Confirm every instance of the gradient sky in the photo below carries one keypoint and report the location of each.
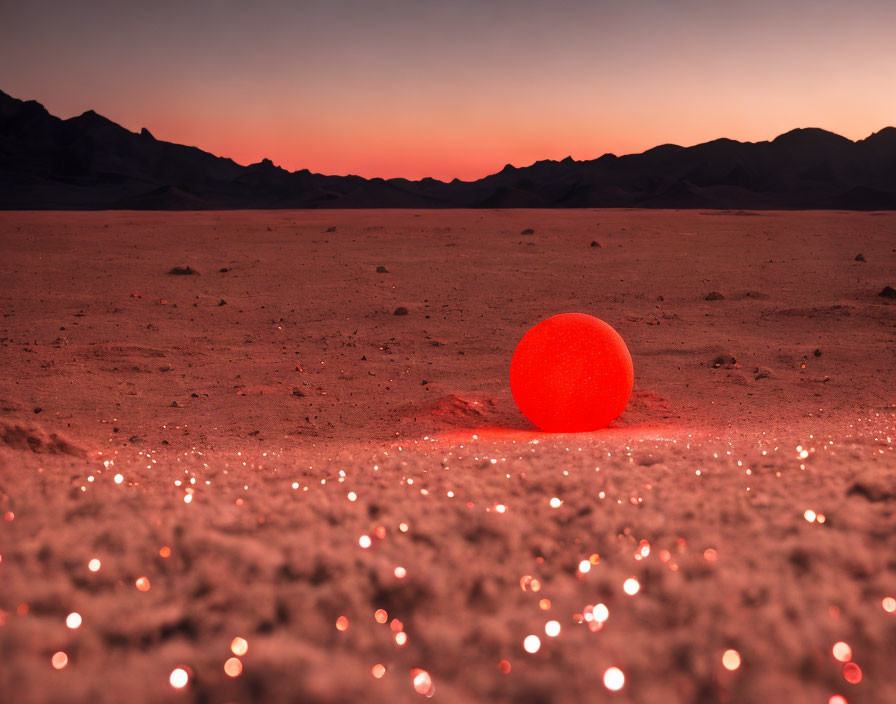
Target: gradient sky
(455, 88)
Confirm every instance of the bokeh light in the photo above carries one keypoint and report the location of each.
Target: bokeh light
(239, 646)
(852, 673)
(614, 679)
(178, 678)
(731, 660)
(842, 651)
(233, 667)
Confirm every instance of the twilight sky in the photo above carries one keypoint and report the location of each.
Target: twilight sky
(456, 88)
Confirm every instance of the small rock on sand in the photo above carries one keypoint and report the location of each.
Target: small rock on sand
(183, 271)
(861, 257)
(332, 228)
(528, 231)
(714, 296)
(595, 243)
(724, 360)
(888, 292)
(382, 270)
(401, 310)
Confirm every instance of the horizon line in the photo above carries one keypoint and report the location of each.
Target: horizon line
(506, 166)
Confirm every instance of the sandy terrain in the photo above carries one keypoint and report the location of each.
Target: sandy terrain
(232, 436)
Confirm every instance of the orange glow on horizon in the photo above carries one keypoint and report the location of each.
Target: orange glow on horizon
(421, 90)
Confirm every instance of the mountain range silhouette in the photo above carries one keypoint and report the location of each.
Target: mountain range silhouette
(89, 162)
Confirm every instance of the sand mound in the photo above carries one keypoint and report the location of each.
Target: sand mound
(468, 410)
(461, 410)
(35, 439)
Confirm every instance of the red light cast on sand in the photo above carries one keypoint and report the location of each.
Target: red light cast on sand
(571, 373)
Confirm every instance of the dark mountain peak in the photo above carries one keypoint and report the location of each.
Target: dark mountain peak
(10, 106)
(569, 161)
(508, 169)
(721, 142)
(811, 136)
(91, 122)
(7, 102)
(544, 162)
(886, 136)
(92, 116)
(146, 133)
(662, 149)
(265, 165)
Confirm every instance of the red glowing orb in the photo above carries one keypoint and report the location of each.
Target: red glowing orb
(571, 373)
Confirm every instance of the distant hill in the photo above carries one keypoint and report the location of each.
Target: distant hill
(89, 162)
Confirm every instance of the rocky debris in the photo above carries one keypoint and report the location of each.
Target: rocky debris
(382, 270)
(817, 352)
(714, 296)
(175, 404)
(724, 360)
(223, 269)
(888, 292)
(762, 373)
(298, 393)
(401, 310)
(860, 257)
(332, 228)
(528, 231)
(183, 271)
(222, 302)
(595, 243)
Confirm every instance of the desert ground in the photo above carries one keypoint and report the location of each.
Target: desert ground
(264, 450)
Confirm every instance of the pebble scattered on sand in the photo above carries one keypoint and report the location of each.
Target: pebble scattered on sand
(724, 360)
(401, 310)
(714, 296)
(183, 271)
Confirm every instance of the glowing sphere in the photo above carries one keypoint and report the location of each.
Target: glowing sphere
(571, 373)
